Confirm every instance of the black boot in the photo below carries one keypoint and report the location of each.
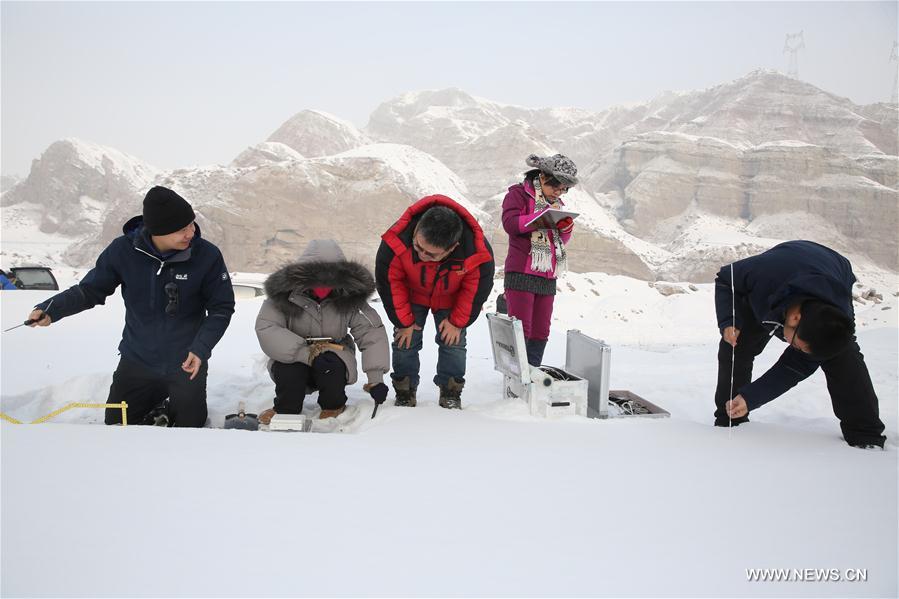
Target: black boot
(158, 416)
(405, 393)
(502, 307)
(535, 349)
(451, 394)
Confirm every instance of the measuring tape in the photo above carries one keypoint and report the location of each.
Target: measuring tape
(123, 406)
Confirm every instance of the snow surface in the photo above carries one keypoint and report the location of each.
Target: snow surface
(483, 501)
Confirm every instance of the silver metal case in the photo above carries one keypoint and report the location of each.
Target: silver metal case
(548, 394)
(590, 359)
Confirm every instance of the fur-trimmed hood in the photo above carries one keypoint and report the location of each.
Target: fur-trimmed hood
(322, 264)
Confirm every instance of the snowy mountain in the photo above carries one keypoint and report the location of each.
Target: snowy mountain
(265, 153)
(766, 106)
(315, 133)
(7, 181)
(263, 216)
(66, 200)
(671, 189)
(261, 210)
(476, 138)
(76, 182)
(762, 145)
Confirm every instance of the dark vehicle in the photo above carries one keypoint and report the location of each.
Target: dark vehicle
(34, 277)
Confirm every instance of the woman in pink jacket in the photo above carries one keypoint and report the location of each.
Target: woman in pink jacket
(536, 255)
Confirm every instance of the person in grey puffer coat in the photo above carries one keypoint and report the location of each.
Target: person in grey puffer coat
(321, 295)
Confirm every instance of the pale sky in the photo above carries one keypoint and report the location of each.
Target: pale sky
(183, 84)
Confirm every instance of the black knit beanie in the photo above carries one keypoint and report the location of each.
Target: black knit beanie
(166, 212)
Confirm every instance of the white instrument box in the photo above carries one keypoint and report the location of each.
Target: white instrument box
(549, 392)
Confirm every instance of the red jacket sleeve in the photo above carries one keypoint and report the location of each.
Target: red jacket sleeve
(473, 292)
(392, 287)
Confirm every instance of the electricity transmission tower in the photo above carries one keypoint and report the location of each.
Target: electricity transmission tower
(792, 45)
(894, 56)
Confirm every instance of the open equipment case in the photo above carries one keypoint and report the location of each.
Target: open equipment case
(581, 388)
(549, 393)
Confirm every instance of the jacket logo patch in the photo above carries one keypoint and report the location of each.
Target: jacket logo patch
(181, 277)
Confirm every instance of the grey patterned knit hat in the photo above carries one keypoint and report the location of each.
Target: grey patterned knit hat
(559, 166)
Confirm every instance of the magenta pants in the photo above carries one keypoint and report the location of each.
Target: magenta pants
(533, 310)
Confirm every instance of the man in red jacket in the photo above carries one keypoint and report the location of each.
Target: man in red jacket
(436, 259)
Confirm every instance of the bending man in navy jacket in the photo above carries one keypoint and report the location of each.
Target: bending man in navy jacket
(802, 293)
(178, 303)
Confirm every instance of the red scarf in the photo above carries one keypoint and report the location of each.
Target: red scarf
(321, 292)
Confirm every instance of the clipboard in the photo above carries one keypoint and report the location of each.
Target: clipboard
(549, 217)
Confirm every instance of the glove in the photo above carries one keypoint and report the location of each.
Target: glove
(378, 392)
(565, 224)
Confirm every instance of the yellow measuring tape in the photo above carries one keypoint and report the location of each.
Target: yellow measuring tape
(9, 418)
(123, 406)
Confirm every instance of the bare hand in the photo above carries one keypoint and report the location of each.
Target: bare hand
(730, 335)
(192, 364)
(320, 347)
(40, 318)
(449, 332)
(736, 408)
(403, 337)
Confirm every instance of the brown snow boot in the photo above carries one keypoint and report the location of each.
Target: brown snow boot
(405, 394)
(331, 413)
(266, 416)
(451, 394)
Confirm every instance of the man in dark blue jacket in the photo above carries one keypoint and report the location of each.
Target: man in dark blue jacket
(178, 303)
(801, 292)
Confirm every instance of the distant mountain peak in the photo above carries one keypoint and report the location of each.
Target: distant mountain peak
(448, 96)
(318, 133)
(103, 158)
(266, 152)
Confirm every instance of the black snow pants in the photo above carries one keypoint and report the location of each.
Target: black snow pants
(293, 381)
(852, 394)
(144, 390)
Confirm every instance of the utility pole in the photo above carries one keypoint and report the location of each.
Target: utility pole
(792, 45)
(894, 57)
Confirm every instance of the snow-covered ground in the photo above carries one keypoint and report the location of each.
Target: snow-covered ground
(424, 501)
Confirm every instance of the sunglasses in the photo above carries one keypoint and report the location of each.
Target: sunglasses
(171, 292)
